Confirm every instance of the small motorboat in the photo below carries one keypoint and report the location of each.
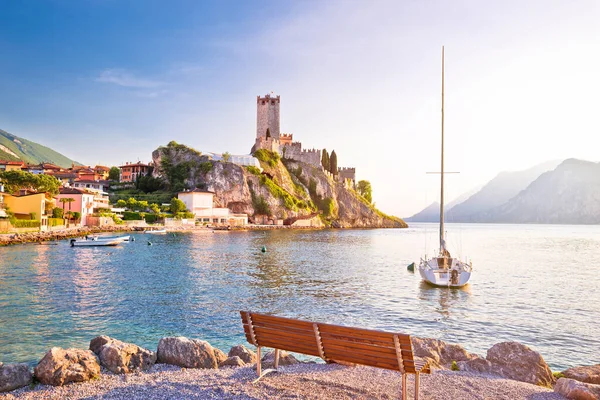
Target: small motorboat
(94, 242)
(122, 238)
(156, 231)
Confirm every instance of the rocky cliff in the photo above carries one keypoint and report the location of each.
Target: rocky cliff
(284, 189)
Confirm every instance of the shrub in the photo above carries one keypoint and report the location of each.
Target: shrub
(454, 366)
(25, 223)
(253, 170)
(151, 218)
(557, 375)
(57, 212)
(55, 221)
(205, 167)
(269, 157)
(131, 216)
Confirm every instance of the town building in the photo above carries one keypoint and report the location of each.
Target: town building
(201, 203)
(130, 171)
(83, 202)
(31, 206)
(11, 165)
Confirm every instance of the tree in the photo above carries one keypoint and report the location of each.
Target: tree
(325, 160)
(76, 216)
(177, 205)
(365, 190)
(155, 208)
(333, 168)
(121, 203)
(14, 181)
(131, 203)
(226, 156)
(114, 174)
(57, 212)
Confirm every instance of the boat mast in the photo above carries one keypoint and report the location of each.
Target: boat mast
(442, 241)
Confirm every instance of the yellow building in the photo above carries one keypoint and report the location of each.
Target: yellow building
(11, 165)
(25, 205)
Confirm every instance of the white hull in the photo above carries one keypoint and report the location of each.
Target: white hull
(445, 272)
(78, 243)
(126, 238)
(162, 231)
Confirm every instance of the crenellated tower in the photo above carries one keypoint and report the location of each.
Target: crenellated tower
(267, 123)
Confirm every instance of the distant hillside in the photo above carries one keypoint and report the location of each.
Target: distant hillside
(432, 212)
(498, 191)
(14, 148)
(570, 194)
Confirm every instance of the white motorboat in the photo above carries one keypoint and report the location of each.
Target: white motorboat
(157, 231)
(123, 238)
(94, 242)
(444, 270)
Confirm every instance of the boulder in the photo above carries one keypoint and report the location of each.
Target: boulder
(516, 361)
(477, 365)
(187, 353)
(60, 366)
(247, 355)
(234, 361)
(285, 358)
(14, 376)
(576, 390)
(220, 356)
(121, 358)
(587, 373)
(439, 353)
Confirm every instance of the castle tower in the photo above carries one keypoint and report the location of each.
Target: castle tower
(267, 117)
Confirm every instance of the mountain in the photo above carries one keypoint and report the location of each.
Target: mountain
(14, 148)
(570, 194)
(432, 212)
(498, 191)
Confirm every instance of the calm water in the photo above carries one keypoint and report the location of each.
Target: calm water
(534, 284)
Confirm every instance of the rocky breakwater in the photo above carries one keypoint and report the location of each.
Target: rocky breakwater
(580, 383)
(121, 358)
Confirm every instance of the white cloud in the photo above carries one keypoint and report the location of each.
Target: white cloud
(127, 79)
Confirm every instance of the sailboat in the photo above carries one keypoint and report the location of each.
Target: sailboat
(444, 270)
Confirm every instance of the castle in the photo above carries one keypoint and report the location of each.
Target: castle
(269, 137)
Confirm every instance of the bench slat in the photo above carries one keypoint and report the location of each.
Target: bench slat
(360, 348)
(268, 320)
(308, 339)
(362, 334)
(288, 346)
(362, 359)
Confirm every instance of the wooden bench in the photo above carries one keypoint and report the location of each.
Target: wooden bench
(334, 343)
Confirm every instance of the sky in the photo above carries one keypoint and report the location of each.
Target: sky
(107, 81)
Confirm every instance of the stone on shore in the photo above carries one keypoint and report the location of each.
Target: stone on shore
(122, 358)
(439, 353)
(234, 361)
(14, 376)
(285, 358)
(576, 390)
(60, 366)
(586, 373)
(245, 354)
(187, 353)
(512, 360)
(220, 355)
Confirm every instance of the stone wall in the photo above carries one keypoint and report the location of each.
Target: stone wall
(294, 152)
(347, 173)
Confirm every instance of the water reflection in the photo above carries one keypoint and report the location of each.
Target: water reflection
(445, 299)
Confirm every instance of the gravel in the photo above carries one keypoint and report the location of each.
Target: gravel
(300, 381)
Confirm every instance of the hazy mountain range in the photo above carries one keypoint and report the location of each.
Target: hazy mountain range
(14, 148)
(555, 192)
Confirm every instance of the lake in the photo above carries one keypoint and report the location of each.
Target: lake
(535, 284)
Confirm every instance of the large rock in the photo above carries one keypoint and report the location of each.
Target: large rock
(575, 390)
(285, 358)
(121, 358)
(60, 366)
(519, 362)
(234, 361)
(14, 376)
(220, 356)
(512, 360)
(587, 373)
(188, 353)
(245, 354)
(439, 353)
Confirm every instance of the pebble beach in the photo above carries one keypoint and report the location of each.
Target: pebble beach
(300, 381)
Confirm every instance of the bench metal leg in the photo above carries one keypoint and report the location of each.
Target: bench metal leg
(259, 370)
(417, 381)
(403, 386)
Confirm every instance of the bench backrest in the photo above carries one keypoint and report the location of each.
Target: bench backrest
(331, 342)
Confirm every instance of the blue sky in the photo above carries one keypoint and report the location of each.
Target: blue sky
(106, 82)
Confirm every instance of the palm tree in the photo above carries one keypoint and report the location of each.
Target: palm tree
(67, 200)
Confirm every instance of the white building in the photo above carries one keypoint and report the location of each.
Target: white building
(200, 202)
(245, 160)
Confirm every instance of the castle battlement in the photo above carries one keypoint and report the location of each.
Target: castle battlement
(347, 169)
(268, 98)
(286, 136)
